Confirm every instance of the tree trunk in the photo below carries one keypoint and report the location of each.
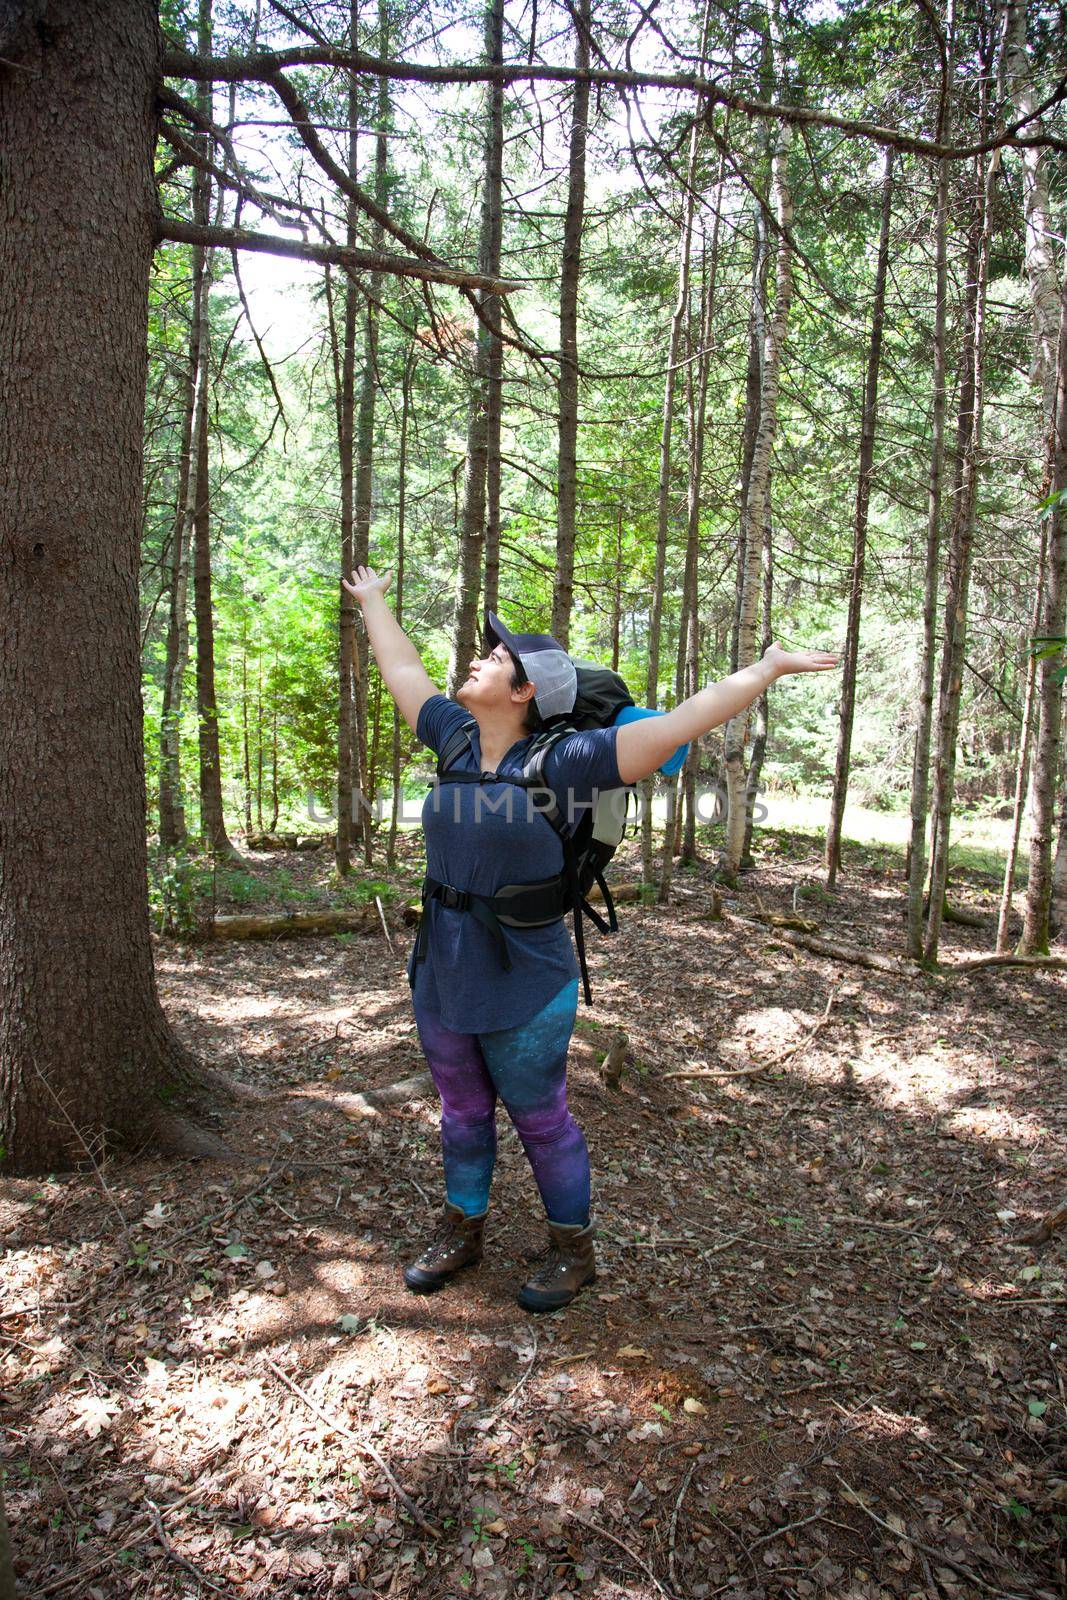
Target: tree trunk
(85, 1049)
(1047, 747)
(172, 828)
(246, 746)
(259, 744)
(859, 537)
(368, 392)
(351, 642)
(920, 771)
(698, 372)
(761, 711)
(398, 585)
(275, 797)
(756, 508)
(757, 335)
(1022, 775)
(212, 815)
(465, 630)
(567, 484)
(968, 447)
(1040, 227)
(1058, 908)
(663, 494)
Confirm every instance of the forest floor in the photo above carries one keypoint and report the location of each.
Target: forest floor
(813, 1362)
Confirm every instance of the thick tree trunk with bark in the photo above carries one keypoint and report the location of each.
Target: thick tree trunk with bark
(567, 487)
(465, 630)
(85, 1049)
(868, 425)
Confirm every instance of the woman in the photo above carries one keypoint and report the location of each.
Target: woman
(492, 1030)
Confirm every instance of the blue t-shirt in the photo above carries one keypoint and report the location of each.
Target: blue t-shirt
(481, 837)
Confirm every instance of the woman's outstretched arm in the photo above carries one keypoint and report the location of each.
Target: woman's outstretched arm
(398, 661)
(645, 745)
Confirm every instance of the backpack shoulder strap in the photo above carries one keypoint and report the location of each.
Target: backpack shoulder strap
(533, 769)
(455, 745)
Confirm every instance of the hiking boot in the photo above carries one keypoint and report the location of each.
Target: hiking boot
(458, 1244)
(570, 1266)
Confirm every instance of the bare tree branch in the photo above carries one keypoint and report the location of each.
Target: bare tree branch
(179, 231)
(264, 68)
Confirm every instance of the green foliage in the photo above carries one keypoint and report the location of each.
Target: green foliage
(178, 885)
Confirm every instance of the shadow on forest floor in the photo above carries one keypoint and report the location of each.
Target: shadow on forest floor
(812, 1362)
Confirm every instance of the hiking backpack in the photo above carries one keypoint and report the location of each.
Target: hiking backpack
(588, 844)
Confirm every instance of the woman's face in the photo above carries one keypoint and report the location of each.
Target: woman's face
(489, 684)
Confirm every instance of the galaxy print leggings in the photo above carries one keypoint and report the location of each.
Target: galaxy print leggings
(526, 1067)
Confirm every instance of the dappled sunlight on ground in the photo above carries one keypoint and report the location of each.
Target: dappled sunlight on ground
(812, 1360)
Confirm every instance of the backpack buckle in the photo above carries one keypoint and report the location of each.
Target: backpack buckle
(455, 899)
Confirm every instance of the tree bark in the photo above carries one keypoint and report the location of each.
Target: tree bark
(663, 492)
(761, 711)
(859, 538)
(1040, 227)
(698, 373)
(567, 486)
(1022, 774)
(398, 585)
(351, 643)
(465, 631)
(920, 771)
(368, 392)
(1058, 907)
(968, 446)
(1047, 745)
(172, 827)
(212, 816)
(85, 1049)
(757, 334)
(756, 508)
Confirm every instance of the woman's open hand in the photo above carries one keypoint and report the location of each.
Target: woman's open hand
(365, 582)
(785, 661)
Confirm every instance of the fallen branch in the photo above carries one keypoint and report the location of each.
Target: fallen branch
(935, 1555)
(897, 965)
(594, 1527)
(976, 963)
(293, 924)
(361, 1444)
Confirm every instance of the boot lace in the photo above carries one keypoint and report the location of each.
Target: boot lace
(553, 1267)
(441, 1246)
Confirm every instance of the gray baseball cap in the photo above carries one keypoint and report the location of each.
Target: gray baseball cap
(543, 661)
